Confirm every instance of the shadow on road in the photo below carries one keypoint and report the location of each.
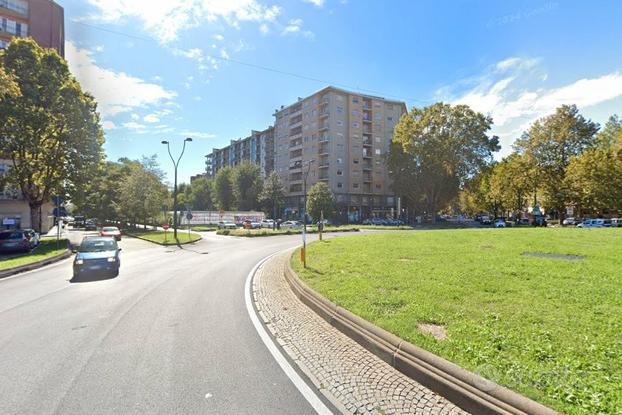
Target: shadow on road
(92, 278)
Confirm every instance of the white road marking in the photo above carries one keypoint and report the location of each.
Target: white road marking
(300, 384)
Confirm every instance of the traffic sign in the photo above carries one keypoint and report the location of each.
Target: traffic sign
(165, 226)
(58, 200)
(189, 216)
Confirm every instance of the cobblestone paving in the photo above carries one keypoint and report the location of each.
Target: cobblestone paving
(353, 379)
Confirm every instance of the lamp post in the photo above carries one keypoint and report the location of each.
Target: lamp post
(303, 253)
(175, 164)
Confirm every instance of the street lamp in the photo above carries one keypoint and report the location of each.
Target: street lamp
(176, 164)
(304, 215)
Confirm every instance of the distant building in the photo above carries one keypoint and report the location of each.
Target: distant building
(197, 176)
(342, 138)
(257, 148)
(43, 20)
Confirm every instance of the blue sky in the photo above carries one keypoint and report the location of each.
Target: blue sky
(166, 69)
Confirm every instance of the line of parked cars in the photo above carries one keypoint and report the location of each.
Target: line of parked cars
(18, 240)
(383, 222)
(266, 223)
(593, 223)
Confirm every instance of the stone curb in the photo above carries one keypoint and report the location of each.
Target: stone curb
(34, 265)
(468, 390)
(161, 244)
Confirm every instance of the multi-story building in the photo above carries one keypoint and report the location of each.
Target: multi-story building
(43, 20)
(257, 148)
(340, 138)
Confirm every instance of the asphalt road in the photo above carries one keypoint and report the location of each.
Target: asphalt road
(170, 335)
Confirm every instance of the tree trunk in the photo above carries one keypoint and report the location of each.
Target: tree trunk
(35, 215)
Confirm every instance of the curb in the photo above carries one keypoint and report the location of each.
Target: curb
(161, 244)
(467, 390)
(34, 265)
(247, 235)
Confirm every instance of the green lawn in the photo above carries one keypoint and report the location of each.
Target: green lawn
(548, 328)
(270, 232)
(46, 249)
(200, 228)
(161, 238)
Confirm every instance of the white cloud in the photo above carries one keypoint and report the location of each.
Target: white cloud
(219, 38)
(194, 54)
(516, 99)
(264, 29)
(318, 3)
(151, 118)
(134, 126)
(135, 117)
(165, 19)
(197, 134)
(115, 92)
(294, 27)
(108, 125)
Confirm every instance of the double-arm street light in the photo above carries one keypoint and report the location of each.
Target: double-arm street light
(176, 164)
(303, 253)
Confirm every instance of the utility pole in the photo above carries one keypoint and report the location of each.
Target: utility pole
(175, 164)
(303, 252)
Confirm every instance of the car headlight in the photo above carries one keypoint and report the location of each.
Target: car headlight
(79, 261)
(112, 259)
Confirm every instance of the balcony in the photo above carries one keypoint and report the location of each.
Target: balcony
(295, 131)
(323, 178)
(324, 113)
(295, 188)
(366, 154)
(295, 120)
(367, 166)
(367, 143)
(294, 144)
(323, 139)
(323, 100)
(295, 177)
(295, 154)
(323, 127)
(367, 177)
(323, 150)
(297, 165)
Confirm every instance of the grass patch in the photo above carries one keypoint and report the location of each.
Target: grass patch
(46, 249)
(548, 328)
(200, 228)
(159, 237)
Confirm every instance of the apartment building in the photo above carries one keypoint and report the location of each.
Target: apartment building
(43, 20)
(257, 148)
(340, 138)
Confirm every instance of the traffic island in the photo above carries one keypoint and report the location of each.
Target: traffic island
(251, 233)
(46, 253)
(165, 238)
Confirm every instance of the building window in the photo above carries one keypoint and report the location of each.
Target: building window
(378, 116)
(339, 110)
(355, 185)
(339, 161)
(355, 161)
(377, 151)
(356, 125)
(339, 123)
(378, 186)
(389, 118)
(339, 185)
(378, 139)
(356, 113)
(339, 172)
(355, 100)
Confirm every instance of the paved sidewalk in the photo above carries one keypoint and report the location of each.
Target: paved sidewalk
(353, 379)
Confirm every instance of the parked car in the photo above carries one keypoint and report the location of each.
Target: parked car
(522, 221)
(33, 237)
(249, 224)
(499, 223)
(227, 225)
(90, 225)
(485, 220)
(291, 224)
(569, 222)
(267, 223)
(95, 255)
(78, 221)
(111, 231)
(616, 222)
(592, 223)
(14, 241)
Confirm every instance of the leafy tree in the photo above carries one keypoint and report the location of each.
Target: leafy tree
(200, 195)
(51, 131)
(273, 193)
(8, 87)
(610, 134)
(512, 183)
(320, 199)
(550, 144)
(141, 195)
(247, 185)
(442, 147)
(223, 188)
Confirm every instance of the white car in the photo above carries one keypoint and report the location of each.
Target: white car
(499, 223)
(569, 221)
(267, 223)
(291, 224)
(227, 225)
(592, 223)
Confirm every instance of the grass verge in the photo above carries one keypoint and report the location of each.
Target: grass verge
(165, 238)
(548, 328)
(46, 249)
(250, 233)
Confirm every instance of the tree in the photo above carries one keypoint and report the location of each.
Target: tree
(223, 188)
(320, 199)
(141, 195)
(51, 131)
(247, 185)
(8, 87)
(273, 193)
(200, 194)
(550, 144)
(442, 146)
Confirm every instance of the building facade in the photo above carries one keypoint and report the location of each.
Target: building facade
(257, 148)
(43, 20)
(340, 138)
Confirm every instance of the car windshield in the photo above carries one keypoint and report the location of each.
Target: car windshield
(98, 245)
(10, 235)
(110, 229)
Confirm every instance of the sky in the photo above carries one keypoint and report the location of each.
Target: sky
(214, 70)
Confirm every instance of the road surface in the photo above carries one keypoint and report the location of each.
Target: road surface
(170, 335)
